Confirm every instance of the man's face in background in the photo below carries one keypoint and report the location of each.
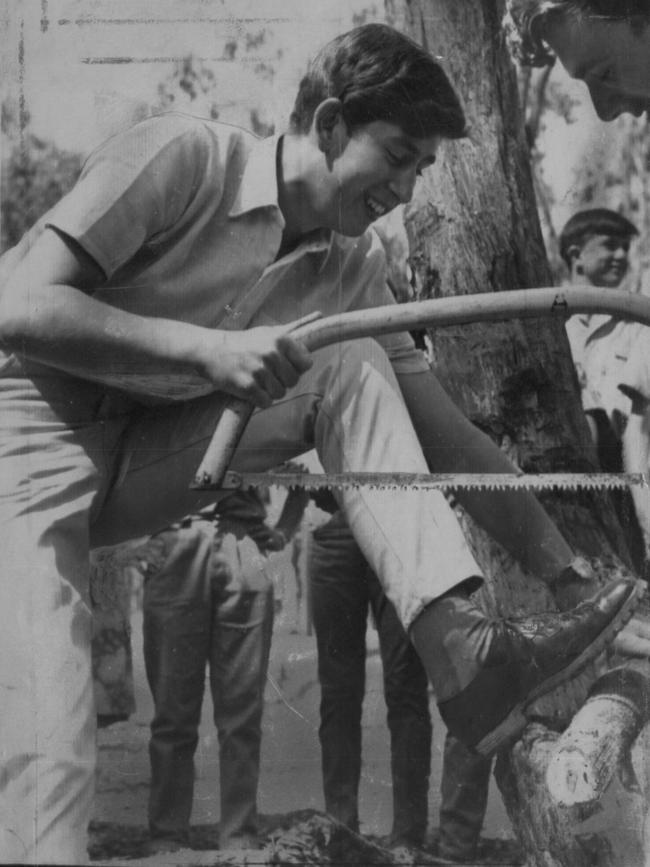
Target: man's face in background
(611, 57)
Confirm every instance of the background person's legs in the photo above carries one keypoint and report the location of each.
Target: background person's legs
(339, 591)
(409, 721)
(177, 624)
(464, 795)
(239, 660)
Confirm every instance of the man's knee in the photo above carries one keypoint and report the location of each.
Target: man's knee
(356, 358)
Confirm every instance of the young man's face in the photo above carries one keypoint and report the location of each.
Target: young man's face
(609, 56)
(603, 260)
(373, 169)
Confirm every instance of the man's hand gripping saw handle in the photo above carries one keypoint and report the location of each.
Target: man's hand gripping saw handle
(316, 332)
(231, 426)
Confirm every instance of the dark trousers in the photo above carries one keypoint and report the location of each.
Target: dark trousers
(343, 590)
(464, 794)
(207, 600)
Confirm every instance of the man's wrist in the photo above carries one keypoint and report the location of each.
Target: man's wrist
(204, 349)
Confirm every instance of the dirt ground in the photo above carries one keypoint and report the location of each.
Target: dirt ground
(290, 787)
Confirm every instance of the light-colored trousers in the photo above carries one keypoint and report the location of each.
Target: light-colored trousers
(208, 602)
(81, 466)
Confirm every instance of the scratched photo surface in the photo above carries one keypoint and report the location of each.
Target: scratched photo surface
(487, 217)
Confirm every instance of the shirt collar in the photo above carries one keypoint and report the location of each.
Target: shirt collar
(259, 184)
(259, 189)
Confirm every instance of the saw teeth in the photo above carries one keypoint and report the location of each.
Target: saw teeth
(446, 481)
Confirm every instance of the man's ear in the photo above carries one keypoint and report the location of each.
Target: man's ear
(574, 253)
(330, 127)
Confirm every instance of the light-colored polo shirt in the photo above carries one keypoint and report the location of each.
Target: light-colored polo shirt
(182, 216)
(600, 347)
(634, 378)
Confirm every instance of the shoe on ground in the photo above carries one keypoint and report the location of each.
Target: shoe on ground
(410, 841)
(166, 845)
(531, 656)
(488, 851)
(404, 848)
(243, 840)
(473, 849)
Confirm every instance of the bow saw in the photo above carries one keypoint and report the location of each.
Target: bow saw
(316, 332)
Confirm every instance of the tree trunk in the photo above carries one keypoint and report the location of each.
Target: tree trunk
(473, 227)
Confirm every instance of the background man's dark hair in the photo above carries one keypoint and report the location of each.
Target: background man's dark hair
(595, 221)
(380, 74)
(527, 18)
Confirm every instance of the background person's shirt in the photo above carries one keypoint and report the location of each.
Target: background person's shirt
(182, 216)
(600, 348)
(634, 376)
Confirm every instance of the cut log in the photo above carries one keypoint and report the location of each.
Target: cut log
(598, 741)
(592, 748)
(545, 831)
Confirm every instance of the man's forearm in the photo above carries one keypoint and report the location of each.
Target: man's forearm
(68, 329)
(451, 443)
(48, 313)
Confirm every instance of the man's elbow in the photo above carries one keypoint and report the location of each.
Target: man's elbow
(17, 311)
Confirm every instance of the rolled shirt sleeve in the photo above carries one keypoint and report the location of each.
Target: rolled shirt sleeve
(132, 189)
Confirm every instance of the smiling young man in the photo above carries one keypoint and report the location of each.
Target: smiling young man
(165, 279)
(605, 43)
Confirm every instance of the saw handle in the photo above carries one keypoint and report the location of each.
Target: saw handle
(225, 439)
(316, 332)
(230, 427)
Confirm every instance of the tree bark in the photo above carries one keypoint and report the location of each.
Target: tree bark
(473, 227)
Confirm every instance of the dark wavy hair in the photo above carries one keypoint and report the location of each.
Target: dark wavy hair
(525, 21)
(594, 221)
(380, 74)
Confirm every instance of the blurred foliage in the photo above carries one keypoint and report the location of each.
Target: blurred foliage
(540, 96)
(195, 80)
(195, 86)
(368, 13)
(35, 174)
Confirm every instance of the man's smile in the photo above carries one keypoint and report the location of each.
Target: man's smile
(377, 209)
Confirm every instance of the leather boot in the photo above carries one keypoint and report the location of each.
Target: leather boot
(531, 656)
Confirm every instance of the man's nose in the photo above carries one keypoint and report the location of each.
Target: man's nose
(402, 184)
(608, 103)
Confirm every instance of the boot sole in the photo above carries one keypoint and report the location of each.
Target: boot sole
(516, 721)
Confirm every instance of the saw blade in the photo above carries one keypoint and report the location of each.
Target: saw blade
(434, 481)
